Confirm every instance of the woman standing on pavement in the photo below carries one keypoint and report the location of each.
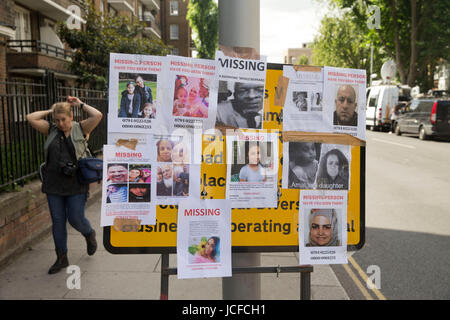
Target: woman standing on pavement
(66, 141)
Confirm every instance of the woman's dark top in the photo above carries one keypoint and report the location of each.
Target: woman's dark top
(55, 181)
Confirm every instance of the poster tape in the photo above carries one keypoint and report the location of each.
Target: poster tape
(281, 91)
(329, 138)
(240, 52)
(127, 225)
(129, 143)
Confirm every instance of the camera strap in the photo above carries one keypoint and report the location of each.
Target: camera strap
(68, 147)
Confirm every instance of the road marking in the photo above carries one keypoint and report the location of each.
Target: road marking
(364, 276)
(395, 143)
(355, 279)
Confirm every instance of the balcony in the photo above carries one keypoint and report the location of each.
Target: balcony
(50, 8)
(151, 26)
(121, 5)
(34, 57)
(151, 4)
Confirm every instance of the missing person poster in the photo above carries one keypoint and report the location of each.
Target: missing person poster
(241, 91)
(345, 100)
(252, 170)
(303, 108)
(323, 237)
(190, 98)
(177, 165)
(204, 238)
(126, 190)
(315, 165)
(134, 92)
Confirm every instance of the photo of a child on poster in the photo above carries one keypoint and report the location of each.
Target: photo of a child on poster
(252, 170)
(204, 238)
(191, 97)
(190, 94)
(133, 92)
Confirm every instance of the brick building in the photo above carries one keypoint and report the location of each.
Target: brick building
(29, 45)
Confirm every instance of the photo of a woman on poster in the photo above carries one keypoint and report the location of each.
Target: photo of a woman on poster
(130, 103)
(323, 228)
(207, 251)
(333, 171)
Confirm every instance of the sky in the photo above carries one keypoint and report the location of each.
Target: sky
(287, 24)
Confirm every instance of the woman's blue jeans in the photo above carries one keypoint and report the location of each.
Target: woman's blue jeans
(63, 208)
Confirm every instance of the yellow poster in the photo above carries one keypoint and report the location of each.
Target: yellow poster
(264, 229)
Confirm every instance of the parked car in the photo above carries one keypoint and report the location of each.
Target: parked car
(380, 100)
(428, 118)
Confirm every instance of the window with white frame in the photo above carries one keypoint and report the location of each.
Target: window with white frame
(23, 25)
(174, 31)
(174, 7)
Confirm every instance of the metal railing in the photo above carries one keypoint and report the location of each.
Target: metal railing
(39, 46)
(22, 147)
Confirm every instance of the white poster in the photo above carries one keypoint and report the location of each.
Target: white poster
(126, 192)
(303, 108)
(344, 94)
(323, 237)
(252, 170)
(204, 238)
(241, 91)
(134, 92)
(315, 165)
(176, 160)
(190, 94)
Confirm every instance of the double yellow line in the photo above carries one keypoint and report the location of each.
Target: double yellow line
(362, 286)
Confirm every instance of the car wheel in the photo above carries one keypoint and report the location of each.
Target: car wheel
(422, 134)
(397, 130)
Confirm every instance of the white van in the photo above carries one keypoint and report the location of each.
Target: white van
(380, 101)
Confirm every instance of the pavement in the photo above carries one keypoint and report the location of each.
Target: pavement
(138, 276)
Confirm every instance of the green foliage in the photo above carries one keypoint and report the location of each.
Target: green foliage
(302, 60)
(203, 17)
(414, 33)
(100, 36)
(342, 43)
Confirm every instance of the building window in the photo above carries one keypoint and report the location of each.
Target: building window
(174, 32)
(175, 51)
(22, 23)
(174, 7)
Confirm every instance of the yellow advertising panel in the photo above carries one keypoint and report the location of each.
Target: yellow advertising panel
(253, 230)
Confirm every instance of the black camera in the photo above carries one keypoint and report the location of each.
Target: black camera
(69, 168)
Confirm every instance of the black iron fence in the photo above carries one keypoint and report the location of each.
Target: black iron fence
(22, 147)
(39, 46)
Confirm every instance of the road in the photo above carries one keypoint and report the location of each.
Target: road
(407, 220)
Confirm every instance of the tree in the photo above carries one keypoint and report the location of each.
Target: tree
(203, 17)
(341, 43)
(100, 36)
(414, 33)
(302, 60)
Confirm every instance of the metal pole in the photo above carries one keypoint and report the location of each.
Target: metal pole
(371, 64)
(164, 277)
(239, 27)
(305, 285)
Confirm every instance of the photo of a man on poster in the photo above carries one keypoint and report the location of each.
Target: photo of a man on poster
(245, 109)
(345, 106)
